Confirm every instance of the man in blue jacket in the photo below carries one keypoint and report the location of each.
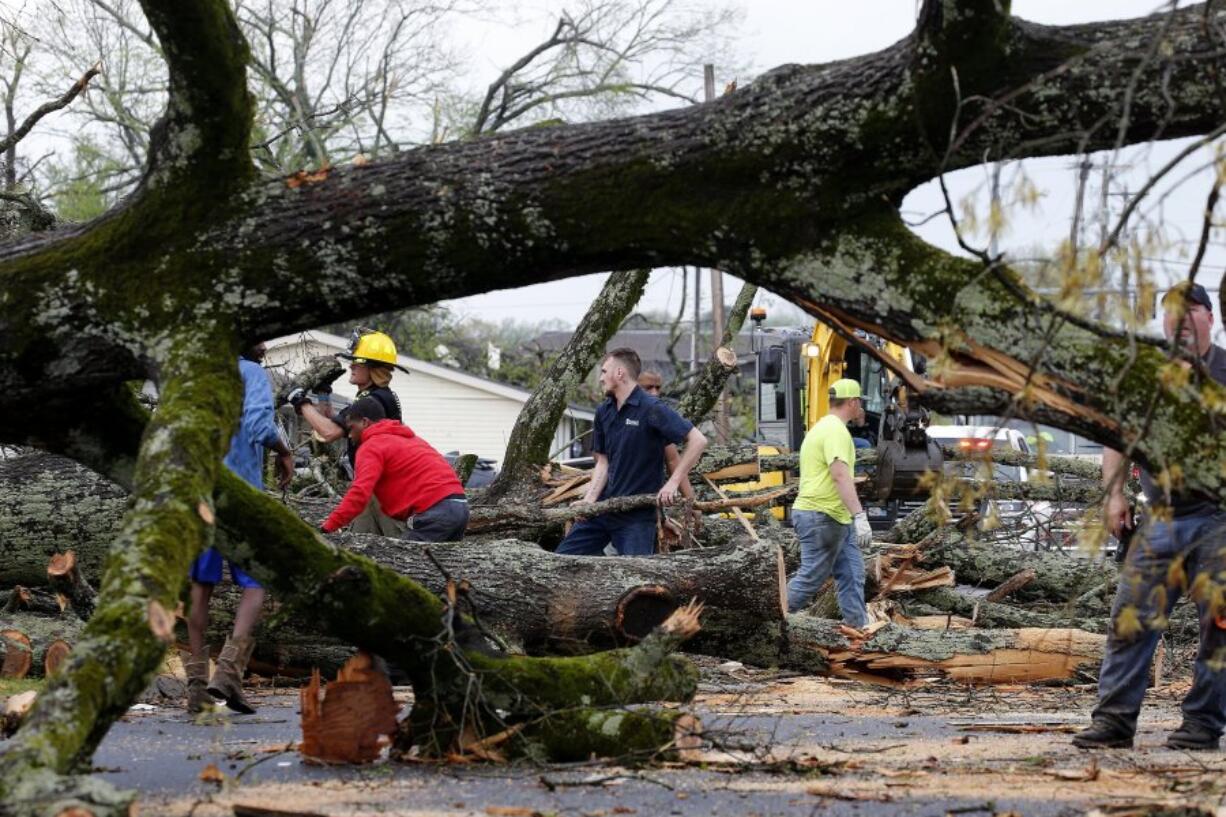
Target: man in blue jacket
(255, 434)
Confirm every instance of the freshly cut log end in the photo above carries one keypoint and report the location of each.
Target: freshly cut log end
(642, 609)
(353, 719)
(18, 654)
(64, 575)
(57, 652)
(726, 356)
(14, 711)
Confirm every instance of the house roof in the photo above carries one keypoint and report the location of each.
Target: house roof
(434, 370)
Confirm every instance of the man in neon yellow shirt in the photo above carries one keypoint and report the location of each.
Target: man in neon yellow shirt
(827, 512)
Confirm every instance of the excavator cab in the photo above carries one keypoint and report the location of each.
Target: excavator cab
(795, 370)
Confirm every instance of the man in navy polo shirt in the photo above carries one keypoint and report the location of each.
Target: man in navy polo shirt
(631, 432)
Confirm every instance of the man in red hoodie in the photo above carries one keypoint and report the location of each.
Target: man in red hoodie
(410, 479)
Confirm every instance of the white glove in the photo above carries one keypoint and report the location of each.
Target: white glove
(864, 532)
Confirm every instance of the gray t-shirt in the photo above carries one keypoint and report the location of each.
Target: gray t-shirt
(1187, 503)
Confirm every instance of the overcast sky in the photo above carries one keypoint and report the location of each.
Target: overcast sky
(782, 31)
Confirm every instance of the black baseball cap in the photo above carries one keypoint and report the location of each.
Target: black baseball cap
(1192, 294)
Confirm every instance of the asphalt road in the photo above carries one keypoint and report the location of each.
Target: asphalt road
(162, 753)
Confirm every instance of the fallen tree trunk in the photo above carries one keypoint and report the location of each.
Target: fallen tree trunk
(50, 504)
(547, 602)
(1057, 576)
(894, 654)
(34, 600)
(517, 517)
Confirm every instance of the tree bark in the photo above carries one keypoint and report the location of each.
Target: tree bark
(531, 439)
(50, 504)
(987, 614)
(546, 602)
(895, 654)
(1058, 577)
(64, 576)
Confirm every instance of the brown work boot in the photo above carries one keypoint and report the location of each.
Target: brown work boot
(227, 682)
(196, 666)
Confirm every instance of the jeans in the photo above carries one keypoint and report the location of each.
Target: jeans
(821, 539)
(589, 536)
(848, 574)
(1150, 584)
(444, 521)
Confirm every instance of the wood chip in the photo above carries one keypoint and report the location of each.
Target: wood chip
(211, 774)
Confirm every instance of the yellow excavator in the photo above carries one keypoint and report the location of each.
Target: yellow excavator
(795, 370)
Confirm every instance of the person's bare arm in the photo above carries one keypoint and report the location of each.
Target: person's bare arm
(672, 458)
(327, 429)
(845, 485)
(600, 476)
(695, 444)
(1116, 514)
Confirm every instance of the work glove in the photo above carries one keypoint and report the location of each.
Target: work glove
(864, 532)
(296, 398)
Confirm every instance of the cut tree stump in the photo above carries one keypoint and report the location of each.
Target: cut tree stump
(64, 576)
(353, 719)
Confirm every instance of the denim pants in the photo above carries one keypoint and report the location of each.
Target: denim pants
(821, 541)
(849, 581)
(1150, 584)
(444, 521)
(588, 537)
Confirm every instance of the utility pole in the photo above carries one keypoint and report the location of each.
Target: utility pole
(694, 347)
(722, 431)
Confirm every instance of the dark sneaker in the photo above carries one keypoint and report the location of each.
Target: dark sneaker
(1103, 735)
(1192, 736)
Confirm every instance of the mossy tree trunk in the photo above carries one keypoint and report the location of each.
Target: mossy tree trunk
(792, 182)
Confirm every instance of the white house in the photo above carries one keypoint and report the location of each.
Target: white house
(450, 409)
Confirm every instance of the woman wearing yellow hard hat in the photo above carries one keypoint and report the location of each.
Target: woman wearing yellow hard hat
(372, 357)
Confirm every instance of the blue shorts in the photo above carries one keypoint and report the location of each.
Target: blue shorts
(589, 536)
(207, 570)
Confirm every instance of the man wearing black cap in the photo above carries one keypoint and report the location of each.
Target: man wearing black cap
(1184, 543)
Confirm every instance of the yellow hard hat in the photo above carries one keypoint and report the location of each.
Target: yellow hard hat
(367, 346)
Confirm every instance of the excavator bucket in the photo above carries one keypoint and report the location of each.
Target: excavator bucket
(900, 467)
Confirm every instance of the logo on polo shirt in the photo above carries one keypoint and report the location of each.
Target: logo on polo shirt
(630, 422)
